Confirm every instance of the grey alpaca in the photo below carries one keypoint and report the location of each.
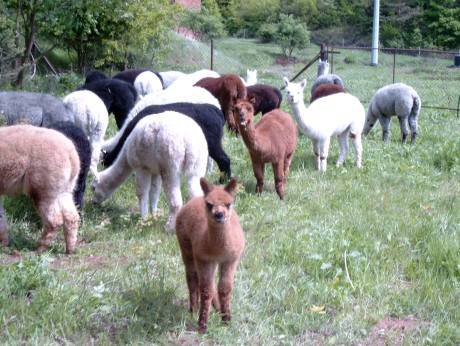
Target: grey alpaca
(324, 77)
(394, 99)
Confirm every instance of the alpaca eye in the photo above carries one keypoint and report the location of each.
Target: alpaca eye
(209, 206)
(229, 205)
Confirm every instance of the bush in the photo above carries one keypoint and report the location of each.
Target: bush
(349, 59)
(291, 34)
(204, 23)
(267, 32)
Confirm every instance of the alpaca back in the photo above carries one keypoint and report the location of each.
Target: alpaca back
(267, 98)
(279, 131)
(325, 90)
(395, 99)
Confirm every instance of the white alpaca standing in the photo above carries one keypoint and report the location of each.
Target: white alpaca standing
(147, 83)
(90, 114)
(160, 149)
(324, 77)
(170, 76)
(251, 77)
(340, 115)
(394, 99)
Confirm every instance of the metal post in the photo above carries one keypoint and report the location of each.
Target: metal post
(212, 54)
(375, 34)
(394, 64)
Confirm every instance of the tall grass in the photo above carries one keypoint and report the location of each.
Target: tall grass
(345, 250)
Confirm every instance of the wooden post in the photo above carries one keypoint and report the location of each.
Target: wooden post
(394, 64)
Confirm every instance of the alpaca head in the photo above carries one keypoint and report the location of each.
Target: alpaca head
(323, 68)
(219, 200)
(244, 111)
(294, 91)
(101, 192)
(251, 77)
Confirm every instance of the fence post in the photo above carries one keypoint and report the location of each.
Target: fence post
(394, 64)
(332, 59)
(458, 106)
(212, 54)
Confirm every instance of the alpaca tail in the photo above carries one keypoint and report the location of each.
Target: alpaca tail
(417, 105)
(280, 97)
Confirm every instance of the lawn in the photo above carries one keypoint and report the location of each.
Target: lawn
(367, 257)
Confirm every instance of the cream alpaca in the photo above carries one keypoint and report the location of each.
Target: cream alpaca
(340, 115)
(43, 164)
(160, 149)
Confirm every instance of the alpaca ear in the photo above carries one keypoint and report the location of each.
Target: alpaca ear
(206, 186)
(303, 83)
(286, 81)
(252, 100)
(231, 186)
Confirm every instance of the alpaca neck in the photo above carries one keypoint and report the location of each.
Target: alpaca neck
(218, 233)
(115, 175)
(302, 117)
(248, 133)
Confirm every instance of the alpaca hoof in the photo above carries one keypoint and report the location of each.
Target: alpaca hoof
(226, 318)
(202, 328)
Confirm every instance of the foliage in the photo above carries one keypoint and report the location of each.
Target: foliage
(8, 48)
(291, 34)
(443, 23)
(205, 23)
(267, 32)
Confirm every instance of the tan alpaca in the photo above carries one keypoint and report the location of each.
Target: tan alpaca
(273, 139)
(210, 237)
(43, 164)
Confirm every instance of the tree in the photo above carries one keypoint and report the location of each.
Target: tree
(291, 34)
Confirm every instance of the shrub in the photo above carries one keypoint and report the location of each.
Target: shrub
(267, 32)
(204, 23)
(291, 34)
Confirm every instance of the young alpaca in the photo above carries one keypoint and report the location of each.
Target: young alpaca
(273, 139)
(43, 164)
(340, 115)
(160, 149)
(210, 236)
(394, 99)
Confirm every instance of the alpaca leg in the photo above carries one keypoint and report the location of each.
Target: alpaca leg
(316, 151)
(385, 122)
(324, 151)
(3, 225)
(404, 125)
(143, 183)
(357, 144)
(259, 172)
(155, 190)
(210, 165)
(192, 277)
(71, 221)
(95, 156)
(287, 165)
(194, 187)
(413, 128)
(278, 170)
(223, 161)
(51, 216)
(227, 274)
(206, 272)
(171, 184)
(343, 143)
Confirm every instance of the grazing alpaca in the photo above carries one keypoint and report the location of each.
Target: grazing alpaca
(32, 108)
(227, 89)
(326, 90)
(144, 81)
(83, 146)
(266, 98)
(210, 237)
(192, 78)
(95, 75)
(91, 116)
(273, 139)
(395, 99)
(340, 115)
(160, 150)
(324, 77)
(170, 76)
(43, 164)
(209, 118)
(118, 96)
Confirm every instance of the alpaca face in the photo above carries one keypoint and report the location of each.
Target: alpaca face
(219, 201)
(244, 112)
(99, 191)
(294, 91)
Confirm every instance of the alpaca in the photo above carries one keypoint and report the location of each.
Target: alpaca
(95, 75)
(209, 118)
(118, 96)
(192, 78)
(170, 76)
(325, 90)
(251, 77)
(160, 149)
(340, 115)
(32, 108)
(273, 139)
(210, 237)
(227, 89)
(148, 83)
(83, 146)
(266, 98)
(324, 77)
(91, 116)
(394, 99)
(43, 164)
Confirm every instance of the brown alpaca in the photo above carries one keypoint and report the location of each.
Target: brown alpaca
(210, 236)
(273, 139)
(43, 164)
(325, 90)
(227, 89)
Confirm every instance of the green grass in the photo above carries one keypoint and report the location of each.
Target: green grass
(346, 250)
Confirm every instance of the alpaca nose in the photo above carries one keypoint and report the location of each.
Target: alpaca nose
(219, 216)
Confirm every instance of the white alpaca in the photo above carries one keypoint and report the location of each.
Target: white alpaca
(324, 77)
(176, 93)
(43, 164)
(192, 78)
(251, 77)
(170, 76)
(160, 149)
(147, 83)
(395, 99)
(340, 115)
(90, 114)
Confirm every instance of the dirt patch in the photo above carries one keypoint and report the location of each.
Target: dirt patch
(391, 331)
(284, 61)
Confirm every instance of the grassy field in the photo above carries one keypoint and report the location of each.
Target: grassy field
(355, 257)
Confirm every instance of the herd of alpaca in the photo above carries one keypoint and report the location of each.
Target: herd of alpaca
(171, 125)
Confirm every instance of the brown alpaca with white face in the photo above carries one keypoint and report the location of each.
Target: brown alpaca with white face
(272, 140)
(210, 237)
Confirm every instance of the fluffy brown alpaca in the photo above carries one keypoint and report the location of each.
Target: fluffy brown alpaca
(210, 237)
(325, 90)
(227, 89)
(43, 164)
(273, 139)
